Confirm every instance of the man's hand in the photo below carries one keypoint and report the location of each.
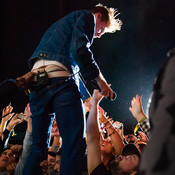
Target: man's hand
(106, 91)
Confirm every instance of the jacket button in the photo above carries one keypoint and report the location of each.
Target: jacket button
(41, 54)
(45, 55)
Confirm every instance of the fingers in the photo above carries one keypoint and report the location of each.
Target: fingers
(10, 168)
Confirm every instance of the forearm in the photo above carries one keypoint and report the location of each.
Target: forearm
(92, 123)
(93, 139)
(3, 125)
(140, 116)
(115, 138)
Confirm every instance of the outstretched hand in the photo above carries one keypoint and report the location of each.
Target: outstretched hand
(97, 96)
(136, 108)
(6, 113)
(14, 121)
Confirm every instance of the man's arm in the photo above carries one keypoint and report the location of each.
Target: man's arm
(93, 134)
(104, 87)
(82, 39)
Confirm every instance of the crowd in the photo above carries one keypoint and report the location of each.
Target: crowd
(113, 143)
(108, 149)
(56, 139)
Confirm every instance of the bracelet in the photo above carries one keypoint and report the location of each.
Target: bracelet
(138, 124)
(111, 133)
(10, 127)
(1, 126)
(142, 119)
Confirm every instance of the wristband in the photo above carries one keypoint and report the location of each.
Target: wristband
(138, 124)
(142, 119)
(10, 127)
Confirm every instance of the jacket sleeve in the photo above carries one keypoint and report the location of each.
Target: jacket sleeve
(83, 33)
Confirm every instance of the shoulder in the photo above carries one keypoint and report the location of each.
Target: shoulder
(100, 170)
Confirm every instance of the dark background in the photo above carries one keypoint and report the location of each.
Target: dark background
(129, 59)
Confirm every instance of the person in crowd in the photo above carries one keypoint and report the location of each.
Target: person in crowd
(63, 53)
(58, 162)
(127, 162)
(8, 160)
(137, 112)
(8, 130)
(27, 142)
(56, 140)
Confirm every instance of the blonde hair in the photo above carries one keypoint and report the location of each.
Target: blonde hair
(113, 23)
(109, 15)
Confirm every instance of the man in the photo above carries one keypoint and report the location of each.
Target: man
(126, 163)
(62, 54)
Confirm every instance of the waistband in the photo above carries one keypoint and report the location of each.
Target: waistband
(53, 71)
(53, 82)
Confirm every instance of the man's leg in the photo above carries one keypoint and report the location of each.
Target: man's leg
(70, 121)
(40, 108)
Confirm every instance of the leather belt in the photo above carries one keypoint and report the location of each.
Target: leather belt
(53, 71)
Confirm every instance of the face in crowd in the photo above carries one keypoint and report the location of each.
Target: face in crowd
(125, 163)
(6, 158)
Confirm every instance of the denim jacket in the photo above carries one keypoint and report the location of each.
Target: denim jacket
(68, 41)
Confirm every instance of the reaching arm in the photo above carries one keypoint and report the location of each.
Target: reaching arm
(93, 134)
(112, 132)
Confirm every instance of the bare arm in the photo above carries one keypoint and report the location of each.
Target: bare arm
(113, 133)
(93, 134)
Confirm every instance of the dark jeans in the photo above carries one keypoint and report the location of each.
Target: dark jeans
(63, 100)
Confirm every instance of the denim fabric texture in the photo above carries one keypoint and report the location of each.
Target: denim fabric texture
(65, 104)
(68, 41)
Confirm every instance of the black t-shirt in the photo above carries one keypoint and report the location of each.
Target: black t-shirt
(100, 170)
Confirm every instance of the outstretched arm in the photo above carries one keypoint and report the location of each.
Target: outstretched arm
(112, 133)
(93, 134)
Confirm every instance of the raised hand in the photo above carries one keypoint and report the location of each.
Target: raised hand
(14, 121)
(136, 108)
(120, 128)
(6, 113)
(11, 168)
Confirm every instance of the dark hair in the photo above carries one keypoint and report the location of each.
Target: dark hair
(115, 169)
(51, 153)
